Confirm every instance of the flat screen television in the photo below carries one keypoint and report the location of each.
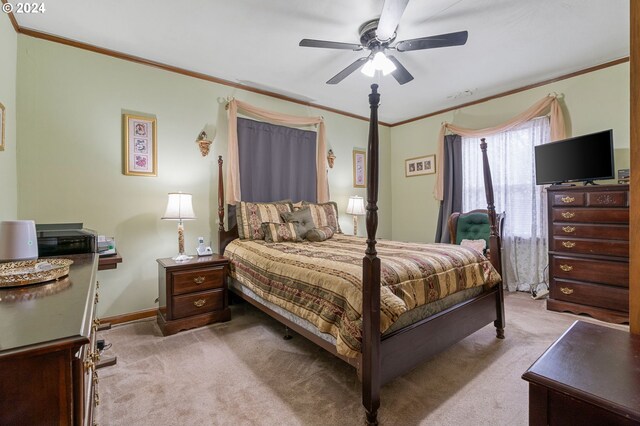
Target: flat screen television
(582, 158)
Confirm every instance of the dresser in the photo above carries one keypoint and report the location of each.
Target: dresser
(48, 349)
(192, 293)
(589, 251)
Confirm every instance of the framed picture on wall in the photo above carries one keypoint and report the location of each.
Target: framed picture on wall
(425, 165)
(359, 168)
(2, 114)
(140, 147)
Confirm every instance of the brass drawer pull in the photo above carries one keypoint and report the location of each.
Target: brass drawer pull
(566, 290)
(97, 299)
(97, 284)
(568, 199)
(96, 399)
(568, 244)
(95, 356)
(96, 324)
(568, 215)
(199, 303)
(95, 378)
(198, 280)
(88, 364)
(566, 268)
(568, 229)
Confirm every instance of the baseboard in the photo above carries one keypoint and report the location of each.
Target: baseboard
(133, 316)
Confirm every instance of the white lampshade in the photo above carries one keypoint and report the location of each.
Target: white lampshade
(356, 205)
(18, 240)
(179, 207)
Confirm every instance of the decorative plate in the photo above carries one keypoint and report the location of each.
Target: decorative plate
(33, 271)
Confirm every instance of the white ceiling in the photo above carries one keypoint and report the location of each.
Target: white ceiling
(512, 43)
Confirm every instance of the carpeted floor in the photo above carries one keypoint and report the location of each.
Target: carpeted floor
(243, 373)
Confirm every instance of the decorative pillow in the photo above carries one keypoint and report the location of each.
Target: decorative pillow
(477, 245)
(325, 214)
(320, 234)
(301, 219)
(297, 206)
(279, 232)
(251, 215)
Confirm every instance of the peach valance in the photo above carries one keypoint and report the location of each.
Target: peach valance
(548, 103)
(233, 161)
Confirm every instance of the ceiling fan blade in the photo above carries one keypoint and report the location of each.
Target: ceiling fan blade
(348, 70)
(392, 11)
(329, 44)
(401, 74)
(442, 40)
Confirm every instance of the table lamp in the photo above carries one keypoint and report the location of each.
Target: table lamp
(355, 207)
(179, 207)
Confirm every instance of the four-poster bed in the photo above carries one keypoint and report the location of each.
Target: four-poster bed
(386, 355)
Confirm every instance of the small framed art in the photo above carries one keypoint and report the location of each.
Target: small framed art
(425, 165)
(359, 168)
(2, 114)
(140, 147)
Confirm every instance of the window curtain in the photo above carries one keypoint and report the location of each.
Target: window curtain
(548, 103)
(275, 162)
(452, 201)
(511, 156)
(233, 192)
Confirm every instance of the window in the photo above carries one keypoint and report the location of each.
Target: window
(511, 157)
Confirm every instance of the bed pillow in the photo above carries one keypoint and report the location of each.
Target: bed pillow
(251, 215)
(477, 245)
(302, 219)
(277, 232)
(325, 214)
(320, 234)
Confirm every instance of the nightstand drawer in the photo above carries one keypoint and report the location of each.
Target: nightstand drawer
(198, 303)
(197, 280)
(601, 296)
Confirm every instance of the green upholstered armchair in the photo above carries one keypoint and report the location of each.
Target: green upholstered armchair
(473, 225)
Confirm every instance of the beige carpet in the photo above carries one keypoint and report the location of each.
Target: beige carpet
(243, 373)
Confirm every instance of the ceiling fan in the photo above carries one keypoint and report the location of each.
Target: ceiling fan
(376, 36)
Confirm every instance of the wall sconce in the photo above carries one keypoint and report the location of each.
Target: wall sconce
(203, 143)
(331, 158)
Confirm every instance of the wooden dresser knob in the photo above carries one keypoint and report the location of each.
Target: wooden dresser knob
(198, 280)
(199, 303)
(566, 268)
(566, 290)
(568, 199)
(569, 229)
(568, 215)
(568, 244)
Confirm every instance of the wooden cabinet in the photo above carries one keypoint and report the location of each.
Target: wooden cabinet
(192, 293)
(48, 349)
(589, 251)
(589, 376)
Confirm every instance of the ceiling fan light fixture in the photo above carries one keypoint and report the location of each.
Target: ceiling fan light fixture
(384, 64)
(368, 69)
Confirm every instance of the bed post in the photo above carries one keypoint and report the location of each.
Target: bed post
(371, 277)
(220, 196)
(495, 245)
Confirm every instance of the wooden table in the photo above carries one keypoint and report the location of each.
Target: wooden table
(590, 375)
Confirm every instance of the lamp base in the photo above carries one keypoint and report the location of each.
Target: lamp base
(182, 258)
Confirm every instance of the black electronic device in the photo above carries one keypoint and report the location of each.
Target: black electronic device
(65, 238)
(579, 159)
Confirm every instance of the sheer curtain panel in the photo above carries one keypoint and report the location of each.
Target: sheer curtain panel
(511, 156)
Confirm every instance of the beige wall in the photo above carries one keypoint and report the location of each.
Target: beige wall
(592, 102)
(70, 104)
(8, 170)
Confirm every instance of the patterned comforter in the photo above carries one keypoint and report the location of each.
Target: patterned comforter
(322, 282)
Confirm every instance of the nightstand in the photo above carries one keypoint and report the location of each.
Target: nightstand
(192, 293)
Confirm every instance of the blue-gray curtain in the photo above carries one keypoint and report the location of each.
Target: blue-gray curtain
(452, 200)
(276, 162)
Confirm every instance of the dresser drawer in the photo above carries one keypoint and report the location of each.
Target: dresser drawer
(588, 215)
(608, 199)
(567, 199)
(592, 270)
(605, 232)
(198, 303)
(197, 280)
(590, 246)
(601, 296)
